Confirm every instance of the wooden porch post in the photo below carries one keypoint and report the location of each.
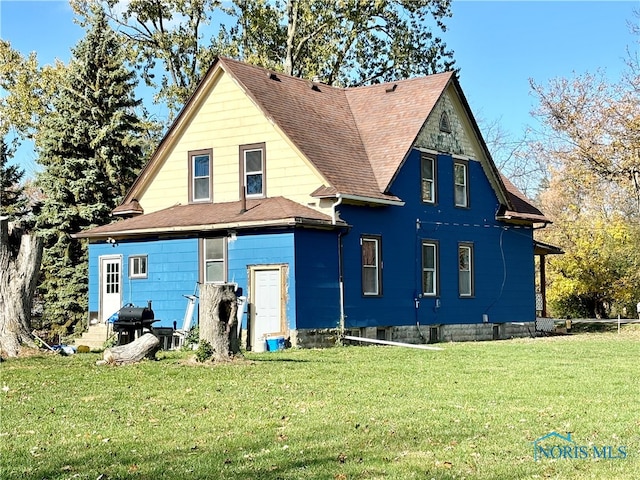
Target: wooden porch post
(543, 285)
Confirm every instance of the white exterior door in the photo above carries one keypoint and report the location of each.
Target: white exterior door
(267, 301)
(110, 286)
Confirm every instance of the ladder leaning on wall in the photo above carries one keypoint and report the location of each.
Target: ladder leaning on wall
(187, 321)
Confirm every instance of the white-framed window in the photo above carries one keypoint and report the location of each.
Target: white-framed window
(465, 270)
(138, 266)
(252, 168)
(214, 260)
(429, 267)
(461, 183)
(428, 178)
(200, 176)
(371, 265)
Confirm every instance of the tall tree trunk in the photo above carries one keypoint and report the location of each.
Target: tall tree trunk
(219, 320)
(20, 257)
(292, 16)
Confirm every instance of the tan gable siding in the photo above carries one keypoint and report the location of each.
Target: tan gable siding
(226, 119)
(461, 140)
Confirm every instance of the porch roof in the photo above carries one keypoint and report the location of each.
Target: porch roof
(199, 217)
(541, 248)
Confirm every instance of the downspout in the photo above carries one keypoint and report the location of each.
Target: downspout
(333, 209)
(340, 277)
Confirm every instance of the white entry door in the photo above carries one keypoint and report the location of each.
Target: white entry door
(267, 302)
(110, 286)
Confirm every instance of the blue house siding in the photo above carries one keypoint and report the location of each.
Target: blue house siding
(263, 249)
(172, 272)
(317, 283)
(498, 249)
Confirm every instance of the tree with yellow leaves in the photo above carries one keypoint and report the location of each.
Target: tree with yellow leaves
(590, 144)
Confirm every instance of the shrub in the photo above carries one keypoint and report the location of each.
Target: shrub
(204, 351)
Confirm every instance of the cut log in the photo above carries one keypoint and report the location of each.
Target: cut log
(219, 320)
(145, 346)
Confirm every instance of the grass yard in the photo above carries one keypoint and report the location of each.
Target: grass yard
(471, 411)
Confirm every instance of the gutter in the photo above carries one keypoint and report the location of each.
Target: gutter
(286, 222)
(380, 201)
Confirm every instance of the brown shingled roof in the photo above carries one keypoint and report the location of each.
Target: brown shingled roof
(357, 138)
(275, 211)
(522, 208)
(390, 116)
(317, 118)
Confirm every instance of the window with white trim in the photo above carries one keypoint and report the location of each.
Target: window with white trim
(214, 260)
(428, 177)
(429, 267)
(200, 176)
(138, 266)
(465, 270)
(252, 168)
(371, 265)
(461, 183)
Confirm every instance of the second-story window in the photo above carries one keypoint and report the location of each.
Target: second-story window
(200, 176)
(461, 183)
(252, 169)
(428, 177)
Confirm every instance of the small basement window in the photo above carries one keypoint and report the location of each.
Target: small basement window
(138, 266)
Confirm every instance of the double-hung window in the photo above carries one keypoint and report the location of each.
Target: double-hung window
(200, 176)
(138, 266)
(461, 183)
(429, 267)
(214, 260)
(252, 169)
(428, 177)
(465, 270)
(371, 265)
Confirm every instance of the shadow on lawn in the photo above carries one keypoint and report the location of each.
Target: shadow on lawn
(277, 358)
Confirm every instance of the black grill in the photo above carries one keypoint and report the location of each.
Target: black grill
(132, 322)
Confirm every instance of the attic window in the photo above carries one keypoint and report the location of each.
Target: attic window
(445, 125)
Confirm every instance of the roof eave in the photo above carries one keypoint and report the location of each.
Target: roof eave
(283, 222)
(395, 201)
(520, 219)
(541, 248)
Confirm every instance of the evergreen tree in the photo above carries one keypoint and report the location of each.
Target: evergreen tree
(91, 148)
(13, 202)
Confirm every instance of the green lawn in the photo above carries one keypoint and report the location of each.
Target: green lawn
(471, 411)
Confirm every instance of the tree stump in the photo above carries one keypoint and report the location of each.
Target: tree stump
(145, 346)
(219, 320)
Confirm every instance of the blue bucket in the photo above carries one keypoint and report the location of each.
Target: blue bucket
(275, 344)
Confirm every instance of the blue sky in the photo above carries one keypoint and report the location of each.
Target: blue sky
(498, 45)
